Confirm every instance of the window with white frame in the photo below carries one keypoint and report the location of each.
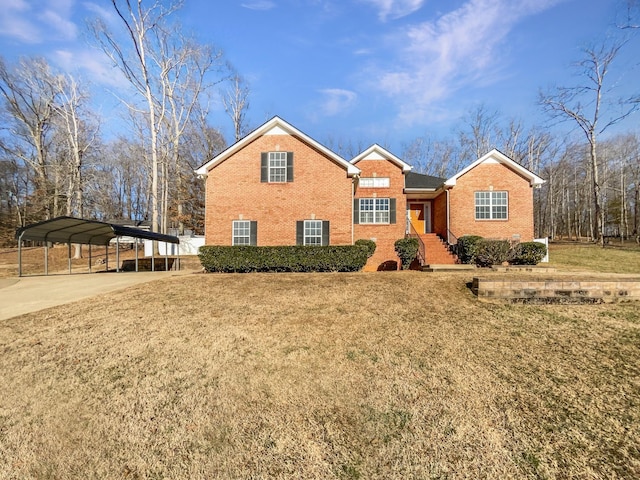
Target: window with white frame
(374, 210)
(312, 232)
(277, 167)
(492, 205)
(241, 232)
(374, 182)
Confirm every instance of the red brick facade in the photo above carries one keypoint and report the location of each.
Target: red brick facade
(327, 187)
(320, 190)
(492, 177)
(384, 235)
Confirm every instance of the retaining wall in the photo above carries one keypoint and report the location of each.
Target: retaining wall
(557, 290)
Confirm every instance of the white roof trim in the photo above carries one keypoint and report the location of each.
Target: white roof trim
(276, 126)
(376, 152)
(495, 156)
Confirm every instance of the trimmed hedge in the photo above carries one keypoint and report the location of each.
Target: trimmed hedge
(484, 252)
(407, 249)
(370, 245)
(244, 259)
(491, 252)
(467, 246)
(528, 253)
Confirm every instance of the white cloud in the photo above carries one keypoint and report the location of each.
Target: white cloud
(27, 22)
(459, 49)
(260, 5)
(15, 22)
(394, 9)
(92, 63)
(337, 100)
(64, 27)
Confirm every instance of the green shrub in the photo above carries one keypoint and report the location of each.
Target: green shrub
(466, 248)
(528, 253)
(369, 245)
(407, 249)
(491, 252)
(242, 259)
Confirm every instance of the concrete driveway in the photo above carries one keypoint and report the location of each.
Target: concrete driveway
(30, 294)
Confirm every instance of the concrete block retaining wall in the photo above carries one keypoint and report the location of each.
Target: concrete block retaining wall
(557, 290)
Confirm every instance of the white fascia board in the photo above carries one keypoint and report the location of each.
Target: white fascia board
(276, 126)
(495, 156)
(376, 152)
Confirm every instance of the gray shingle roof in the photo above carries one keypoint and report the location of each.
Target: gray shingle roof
(419, 180)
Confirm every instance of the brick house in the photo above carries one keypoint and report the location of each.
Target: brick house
(278, 186)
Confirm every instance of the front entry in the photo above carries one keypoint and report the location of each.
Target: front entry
(420, 216)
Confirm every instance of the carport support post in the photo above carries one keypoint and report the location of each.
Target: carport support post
(166, 257)
(69, 256)
(89, 258)
(153, 253)
(106, 251)
(137, 244)
(20, 255)
(46, 258)
(117, 254)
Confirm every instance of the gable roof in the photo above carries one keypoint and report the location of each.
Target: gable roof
(496, 156)
(276, 126)
(376, 152)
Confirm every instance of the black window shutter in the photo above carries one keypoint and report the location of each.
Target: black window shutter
(325, 232)
(356, 210)
(300, 232)
(264, 167)
(289, 166)
(253, 233)
(392, 210)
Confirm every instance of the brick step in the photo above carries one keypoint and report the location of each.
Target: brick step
(436, 251)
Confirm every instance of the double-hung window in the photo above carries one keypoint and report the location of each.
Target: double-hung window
(244, 232)
(491, 205)
(276, 167)
(375, 210)
(312, 232)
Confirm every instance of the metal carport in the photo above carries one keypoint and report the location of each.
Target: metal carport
(72, 230)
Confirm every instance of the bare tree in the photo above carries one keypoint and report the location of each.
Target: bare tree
(78, 133)
(583, 105)
(432, 157)
(134, 60)
(480, 134)
(630, 15)
(30, 92)
(186, 68)
(236, 104)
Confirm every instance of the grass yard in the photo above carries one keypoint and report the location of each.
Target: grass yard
(587, 256)
(349, 376)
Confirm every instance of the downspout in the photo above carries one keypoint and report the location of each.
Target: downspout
(353, 196)
(448, 226)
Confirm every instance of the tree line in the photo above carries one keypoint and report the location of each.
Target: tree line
(54, 159)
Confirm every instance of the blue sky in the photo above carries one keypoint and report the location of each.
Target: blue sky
(384, 71)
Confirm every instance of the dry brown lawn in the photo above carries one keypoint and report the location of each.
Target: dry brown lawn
(33, 262)
(350, 376)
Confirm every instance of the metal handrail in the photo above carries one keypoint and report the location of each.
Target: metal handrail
(453, 246)
(421, 248)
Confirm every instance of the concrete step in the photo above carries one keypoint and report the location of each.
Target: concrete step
(458, 267)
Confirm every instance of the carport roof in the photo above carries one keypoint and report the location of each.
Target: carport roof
(79, 230)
